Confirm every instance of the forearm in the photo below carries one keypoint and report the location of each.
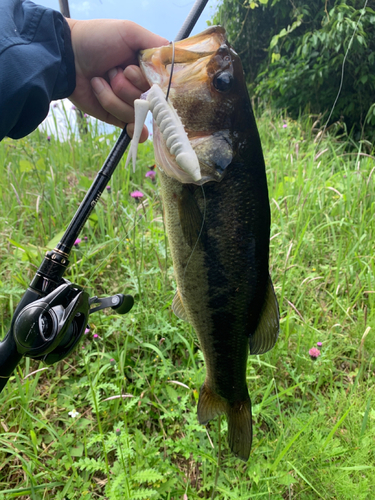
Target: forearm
(45, 57)
(36, 65)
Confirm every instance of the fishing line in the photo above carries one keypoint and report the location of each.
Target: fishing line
(166, 98)
(203, 193)
(200, 231)
(343, 69)
(218, 460)
(122, 240)
(171, 73)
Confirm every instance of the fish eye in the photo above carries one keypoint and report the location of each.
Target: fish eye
(223, 81)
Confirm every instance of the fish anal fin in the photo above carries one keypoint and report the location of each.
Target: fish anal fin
(210, 405)
(240, 429)
(267, 330)
(178, 307)
(190, 217)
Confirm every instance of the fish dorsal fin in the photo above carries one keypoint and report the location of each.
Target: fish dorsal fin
(267, 331)
(178, 307)
(190, 217)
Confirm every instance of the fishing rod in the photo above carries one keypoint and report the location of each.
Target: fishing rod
(52, 315)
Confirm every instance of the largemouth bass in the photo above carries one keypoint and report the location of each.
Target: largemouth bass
(218, 226)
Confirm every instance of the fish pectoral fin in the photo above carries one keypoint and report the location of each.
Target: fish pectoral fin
(178, 307)
(191, 218)
(267, 331)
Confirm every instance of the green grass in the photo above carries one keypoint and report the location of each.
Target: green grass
(314, 422)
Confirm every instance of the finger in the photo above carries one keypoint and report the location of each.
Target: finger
(130, 131)
(138, 38)
(136, 77)
(94, 108)
(110, 102)
(123, 87)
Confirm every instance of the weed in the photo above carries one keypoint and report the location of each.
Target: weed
(118, 419)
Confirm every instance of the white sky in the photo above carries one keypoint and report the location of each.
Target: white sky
(164, 17)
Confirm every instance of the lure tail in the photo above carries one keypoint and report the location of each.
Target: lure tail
(170, 125)
(141, 108)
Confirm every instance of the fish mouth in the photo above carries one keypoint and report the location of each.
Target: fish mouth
(156, 63)
(195, 61)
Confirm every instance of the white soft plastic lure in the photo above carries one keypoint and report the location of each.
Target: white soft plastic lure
(170, 126)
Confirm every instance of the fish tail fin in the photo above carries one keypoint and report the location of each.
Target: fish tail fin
(240, 431)
(240, 428)
(210, 405)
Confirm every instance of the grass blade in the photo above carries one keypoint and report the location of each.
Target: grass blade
(334, 429)
(288, 446)
(306, 480)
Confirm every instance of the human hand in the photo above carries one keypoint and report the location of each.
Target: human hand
(108, 78)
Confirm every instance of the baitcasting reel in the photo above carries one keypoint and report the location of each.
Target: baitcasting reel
(49, 328)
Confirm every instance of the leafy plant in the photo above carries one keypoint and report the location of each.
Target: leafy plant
(118, 418)
(302, 56)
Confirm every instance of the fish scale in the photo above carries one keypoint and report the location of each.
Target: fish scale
(218, 227)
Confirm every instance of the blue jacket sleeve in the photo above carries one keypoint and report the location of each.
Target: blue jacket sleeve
(36, 65)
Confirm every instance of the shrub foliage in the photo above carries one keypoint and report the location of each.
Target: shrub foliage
(293, 55)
